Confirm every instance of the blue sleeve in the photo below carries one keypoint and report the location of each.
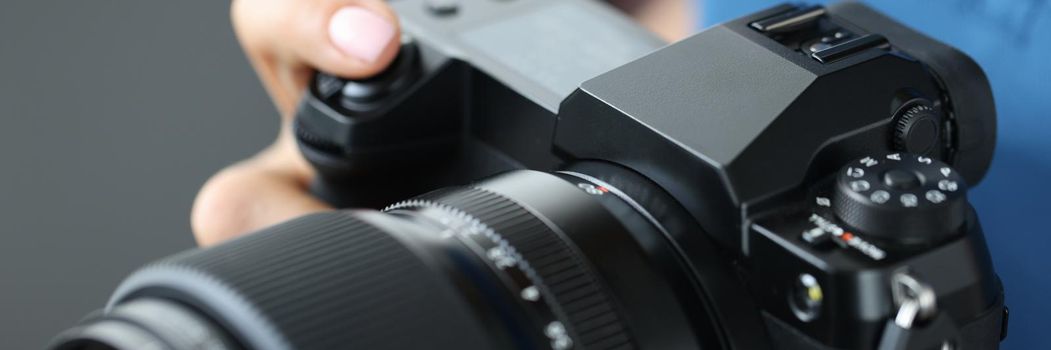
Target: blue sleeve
(1011, 41)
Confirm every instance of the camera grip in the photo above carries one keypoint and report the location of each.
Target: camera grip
(371, 180)
(369, 139)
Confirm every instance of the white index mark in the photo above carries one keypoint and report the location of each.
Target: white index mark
(948, 185)
(868, 162)
(501, 257)
(894, 156)
(859, 185)
(824, 202)
(560, 339)
(590, 189)
(909, 200)
(935, 196)
(530, 293)
(855, 172)
(946, 171)
(880, 197)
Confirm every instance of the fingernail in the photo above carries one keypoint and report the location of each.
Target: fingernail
(360, 33)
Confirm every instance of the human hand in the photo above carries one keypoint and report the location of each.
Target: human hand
(286, 41)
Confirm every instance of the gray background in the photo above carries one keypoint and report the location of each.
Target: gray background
(112, 114)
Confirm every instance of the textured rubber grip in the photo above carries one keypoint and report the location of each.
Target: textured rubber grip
(325, 281)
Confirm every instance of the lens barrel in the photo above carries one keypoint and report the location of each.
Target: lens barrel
(146, 323)
(525, 260)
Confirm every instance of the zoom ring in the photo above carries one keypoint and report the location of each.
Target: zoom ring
(553, 263)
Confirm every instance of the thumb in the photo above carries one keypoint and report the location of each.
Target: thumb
(286, 40)
(361, 39)
(264, 190)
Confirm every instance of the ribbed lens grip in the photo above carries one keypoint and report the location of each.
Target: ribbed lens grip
(325, 281)
(568, 277)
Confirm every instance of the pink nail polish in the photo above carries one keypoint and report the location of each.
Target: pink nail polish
(360, 33)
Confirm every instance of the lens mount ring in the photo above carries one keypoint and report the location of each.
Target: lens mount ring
(516, 244)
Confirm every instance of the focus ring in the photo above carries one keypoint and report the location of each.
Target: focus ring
(572, 284)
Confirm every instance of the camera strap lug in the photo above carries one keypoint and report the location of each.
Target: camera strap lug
(917, 324)
(916, 300)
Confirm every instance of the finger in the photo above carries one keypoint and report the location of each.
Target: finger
(264, 190)
(672, 20)
(287, 39)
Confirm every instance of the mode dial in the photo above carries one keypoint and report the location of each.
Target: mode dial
(902, 197)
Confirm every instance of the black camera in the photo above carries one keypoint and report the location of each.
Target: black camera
(793, 179)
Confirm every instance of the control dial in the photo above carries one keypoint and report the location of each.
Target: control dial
(902, 197)
(918, 129)
(359, 96)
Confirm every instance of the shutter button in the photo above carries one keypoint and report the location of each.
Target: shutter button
(901, 179)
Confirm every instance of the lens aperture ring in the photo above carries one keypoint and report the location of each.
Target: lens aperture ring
(515, 242)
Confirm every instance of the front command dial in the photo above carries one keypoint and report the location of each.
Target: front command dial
(902, 197)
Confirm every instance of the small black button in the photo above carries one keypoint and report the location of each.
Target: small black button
(443, 7)
(368, 94)
(328, 86)
(827, 41)
(1003, 323)
(901, 179)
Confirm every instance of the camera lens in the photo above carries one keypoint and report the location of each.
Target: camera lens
(145, 323)
(524, 260)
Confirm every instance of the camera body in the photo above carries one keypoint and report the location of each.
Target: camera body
(794, 179)
(757, 127)
(756, 130)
